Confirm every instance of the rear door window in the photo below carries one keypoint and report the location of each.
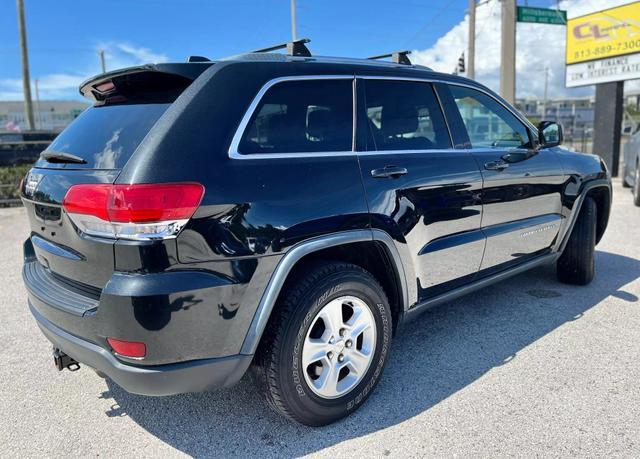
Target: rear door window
(307, 116)
(404, 115)
(106, 136)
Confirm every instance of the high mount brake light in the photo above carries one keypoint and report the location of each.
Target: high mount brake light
(143, 211)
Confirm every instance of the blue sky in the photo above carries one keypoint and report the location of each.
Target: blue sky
(64, 36)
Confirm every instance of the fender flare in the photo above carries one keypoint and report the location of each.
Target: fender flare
(295, 254)
(575, 210)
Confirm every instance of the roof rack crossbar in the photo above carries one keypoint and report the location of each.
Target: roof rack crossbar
(399, 57)
(294, 48)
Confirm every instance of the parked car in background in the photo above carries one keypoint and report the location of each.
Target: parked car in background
(288, 213)
(631, 170)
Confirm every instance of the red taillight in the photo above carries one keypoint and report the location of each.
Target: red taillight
(133, 349)
(88, 200)
(133, 211)
(154, 203)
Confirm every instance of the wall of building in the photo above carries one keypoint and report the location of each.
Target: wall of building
(50, 115)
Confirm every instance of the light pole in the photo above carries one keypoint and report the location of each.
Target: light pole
(26, 83)
(471, 54)
(546, 89)
(294, 22)
(508, 52)
(102, 62)
(38, 112)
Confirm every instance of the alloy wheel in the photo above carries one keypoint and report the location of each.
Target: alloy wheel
(339, 347)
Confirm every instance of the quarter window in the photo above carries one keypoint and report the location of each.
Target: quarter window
(489, 124)
(304, 116)
(404, 115)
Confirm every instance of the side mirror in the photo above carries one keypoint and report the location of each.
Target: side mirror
(549, 134)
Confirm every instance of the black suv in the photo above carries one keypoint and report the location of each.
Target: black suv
(288, 213)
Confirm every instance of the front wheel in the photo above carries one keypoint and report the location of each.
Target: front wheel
(576, 265)
(636, 186)
(625, 172)
(325, 349)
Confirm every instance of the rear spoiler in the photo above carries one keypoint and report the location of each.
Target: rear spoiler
(151, 83)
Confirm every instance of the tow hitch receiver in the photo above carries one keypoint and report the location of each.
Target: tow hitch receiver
(62, 361)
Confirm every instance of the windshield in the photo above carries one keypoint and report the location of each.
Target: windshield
(105, 137)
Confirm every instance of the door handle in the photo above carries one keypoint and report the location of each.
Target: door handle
(389, 171)
(499, 165)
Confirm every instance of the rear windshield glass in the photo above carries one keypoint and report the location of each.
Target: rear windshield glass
(105, 137)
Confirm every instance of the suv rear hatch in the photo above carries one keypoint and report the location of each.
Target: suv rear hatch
(93, 150)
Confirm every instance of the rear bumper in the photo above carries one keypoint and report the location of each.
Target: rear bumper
(192, 376)
(183, 314)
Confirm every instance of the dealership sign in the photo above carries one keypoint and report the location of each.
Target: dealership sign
(604, 70)
(604, 46)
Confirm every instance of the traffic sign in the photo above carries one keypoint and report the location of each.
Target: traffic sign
(541, 15)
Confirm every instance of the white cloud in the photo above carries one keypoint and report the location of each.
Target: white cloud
(10, 89)
(53, 86)
(537, 46)
(65, 85)
(119, 55)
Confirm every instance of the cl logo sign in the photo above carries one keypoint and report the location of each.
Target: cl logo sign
(589, 30)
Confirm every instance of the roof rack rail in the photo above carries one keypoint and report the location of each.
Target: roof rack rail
(294, 48)
(399, 57)
(198, 59)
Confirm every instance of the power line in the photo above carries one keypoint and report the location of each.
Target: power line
(438, 13)
(482, 27)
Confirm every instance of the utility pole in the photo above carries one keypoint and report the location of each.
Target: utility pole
(546, 88)
(573, 120)
(471, 54)
(26, 83)
(508, 52)
(294, 22)
(102, 63)
(38, 112)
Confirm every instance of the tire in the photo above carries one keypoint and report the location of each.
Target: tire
(298, 325)
(636, 186)
(576, 265)
(625, 172)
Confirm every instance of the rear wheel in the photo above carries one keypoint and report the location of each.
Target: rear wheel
(576, 265)
(324, 351)
(636, 186)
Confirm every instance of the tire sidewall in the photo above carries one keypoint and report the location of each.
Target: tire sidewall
(303, 400)
(636, 186)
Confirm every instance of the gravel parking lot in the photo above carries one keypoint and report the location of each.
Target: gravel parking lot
(527, 367)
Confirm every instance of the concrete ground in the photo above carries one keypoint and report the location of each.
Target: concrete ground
(529, 367)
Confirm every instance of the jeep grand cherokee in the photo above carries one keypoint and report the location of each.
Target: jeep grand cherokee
(288, 213)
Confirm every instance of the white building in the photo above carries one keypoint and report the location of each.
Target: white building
(49, 115)
(576, 114)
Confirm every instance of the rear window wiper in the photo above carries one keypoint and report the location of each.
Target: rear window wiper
(61, 157)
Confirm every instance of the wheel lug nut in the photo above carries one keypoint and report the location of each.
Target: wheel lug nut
(342, 332)
(340, 358)
(349, 343)
(330, 355)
